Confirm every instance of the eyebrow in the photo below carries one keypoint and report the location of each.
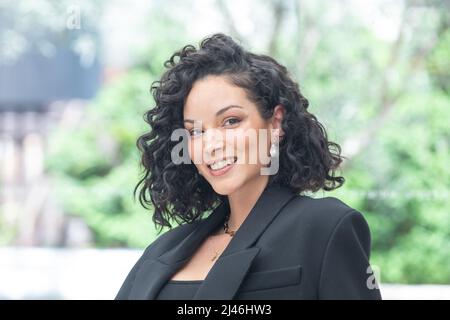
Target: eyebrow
(218, 113)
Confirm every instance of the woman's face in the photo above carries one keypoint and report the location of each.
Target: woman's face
(224, 124)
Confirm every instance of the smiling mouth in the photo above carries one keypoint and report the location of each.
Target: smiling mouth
(220, 165)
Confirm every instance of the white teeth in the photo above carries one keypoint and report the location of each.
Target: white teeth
(221, 164)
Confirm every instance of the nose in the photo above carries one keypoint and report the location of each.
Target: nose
(213, 140)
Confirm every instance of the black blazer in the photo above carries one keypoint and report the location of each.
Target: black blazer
(290, 246)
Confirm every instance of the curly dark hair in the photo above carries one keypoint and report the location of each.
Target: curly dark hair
(307, 161)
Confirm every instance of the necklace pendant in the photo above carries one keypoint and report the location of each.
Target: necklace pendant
(215, 256)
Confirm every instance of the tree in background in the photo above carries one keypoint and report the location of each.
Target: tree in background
(386, 100)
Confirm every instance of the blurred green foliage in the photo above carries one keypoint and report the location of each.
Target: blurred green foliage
(354, 81)
(96, 164)
(401, 180)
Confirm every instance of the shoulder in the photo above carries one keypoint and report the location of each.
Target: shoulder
(323, 215)
(327, 208)
(162, 243)
(169, 238)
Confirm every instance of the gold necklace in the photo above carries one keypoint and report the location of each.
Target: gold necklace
(227, 231)
(215, 256)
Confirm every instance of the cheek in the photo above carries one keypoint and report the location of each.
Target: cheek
(253, 146)
(195, 150)
(238, 142)
(260, 146)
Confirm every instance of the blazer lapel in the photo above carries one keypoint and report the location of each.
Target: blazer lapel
(155, 272)
(229, 270)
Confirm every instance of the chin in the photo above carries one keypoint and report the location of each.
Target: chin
(225, 188)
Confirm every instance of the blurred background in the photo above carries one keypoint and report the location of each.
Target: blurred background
(74, 85)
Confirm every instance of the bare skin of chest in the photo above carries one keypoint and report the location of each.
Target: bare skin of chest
(203, 259)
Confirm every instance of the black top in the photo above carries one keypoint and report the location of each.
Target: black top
(288, 247)
(179, 290)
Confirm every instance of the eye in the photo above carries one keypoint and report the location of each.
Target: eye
(192, 132)
(233, 119)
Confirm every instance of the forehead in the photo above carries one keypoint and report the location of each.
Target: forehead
(212, 93)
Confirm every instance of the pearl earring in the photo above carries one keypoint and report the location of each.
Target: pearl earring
(273, 149)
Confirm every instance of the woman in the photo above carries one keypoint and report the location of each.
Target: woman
(264, 238)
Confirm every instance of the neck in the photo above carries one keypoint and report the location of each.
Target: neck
(244, 199)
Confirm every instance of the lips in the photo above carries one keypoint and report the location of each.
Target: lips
(220, 163)
(223, 169)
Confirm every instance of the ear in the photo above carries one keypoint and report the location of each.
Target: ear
(277, 117)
